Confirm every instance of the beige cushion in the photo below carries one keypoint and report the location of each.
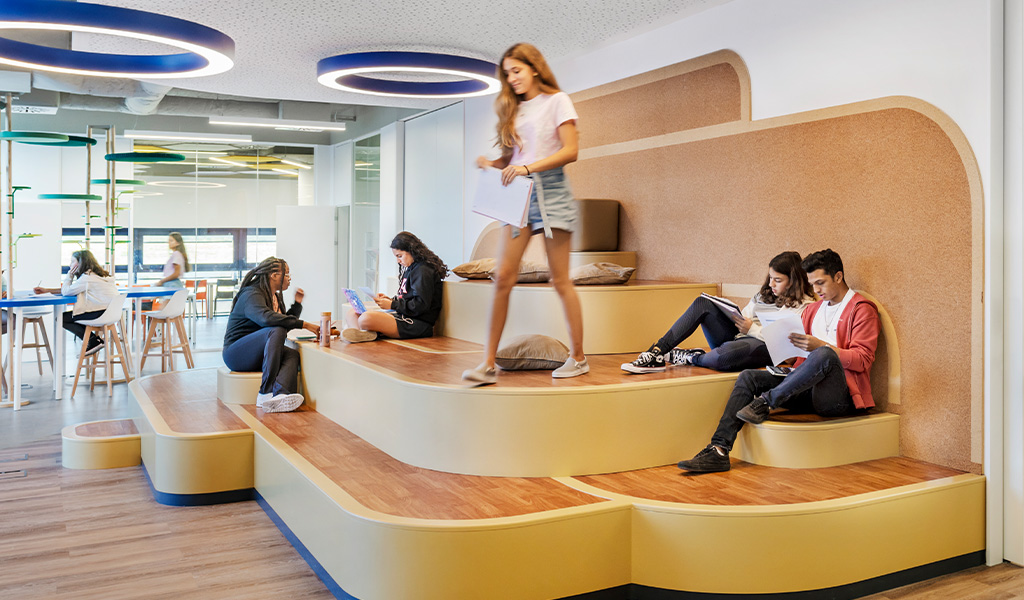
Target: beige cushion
(532, 351)
(476, 269)
(533, 272)
(601, 273)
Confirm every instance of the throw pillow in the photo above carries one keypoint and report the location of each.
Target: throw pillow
(531, 352)
(602, 273)
(476, 269)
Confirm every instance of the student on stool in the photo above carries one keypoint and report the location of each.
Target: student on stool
(94, 288)
(257, 329)
(841, 334)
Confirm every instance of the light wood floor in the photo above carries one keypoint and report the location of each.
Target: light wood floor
(100, 535)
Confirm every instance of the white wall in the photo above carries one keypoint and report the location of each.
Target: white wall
(392, 190)
(433, 181)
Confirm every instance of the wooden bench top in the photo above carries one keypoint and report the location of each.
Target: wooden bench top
(748, 484)
(441, 360)
(99, 429)
(384, 484)
(187, 401)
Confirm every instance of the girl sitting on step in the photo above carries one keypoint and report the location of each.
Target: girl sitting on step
(736, 342)
(257, 329)
(416, 306)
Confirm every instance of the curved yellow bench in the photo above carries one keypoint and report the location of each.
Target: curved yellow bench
(109, 444)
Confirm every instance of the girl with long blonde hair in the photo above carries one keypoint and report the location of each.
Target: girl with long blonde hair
(537, 137)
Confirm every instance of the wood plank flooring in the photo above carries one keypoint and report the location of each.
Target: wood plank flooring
(187, 400)
(107, 428)
(749, 484)
(99, 535)
(382, 483)
(434, 360)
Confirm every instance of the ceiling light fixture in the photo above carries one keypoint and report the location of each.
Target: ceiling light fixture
(207, 51)
(187, 184)
(295, 164)
(229, 162)
(184, 136)
(345, 72)
(279, 124)
(293, 173)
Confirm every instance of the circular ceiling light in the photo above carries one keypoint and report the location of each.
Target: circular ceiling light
(346, 72)
(119, 181)
(207, 51)
(73, 141)
(187, 184)
(144, 157)
(71, 197)
(34, 137)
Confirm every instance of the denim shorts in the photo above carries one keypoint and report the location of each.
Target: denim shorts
(552, 205)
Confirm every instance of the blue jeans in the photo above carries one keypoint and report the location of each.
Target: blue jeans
(264, 350)
(728, 353)
(818, 385)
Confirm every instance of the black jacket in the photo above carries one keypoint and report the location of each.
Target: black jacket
(252, 313)
(419, 293)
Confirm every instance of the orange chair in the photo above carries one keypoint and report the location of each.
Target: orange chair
(200, 293)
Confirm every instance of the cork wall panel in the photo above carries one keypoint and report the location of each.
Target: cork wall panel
(887, 188)
(707, 96)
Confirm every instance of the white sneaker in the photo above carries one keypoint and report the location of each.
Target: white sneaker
(354, 336)
(571, 368)
(283, 403)
(480, 375)
(261, 398)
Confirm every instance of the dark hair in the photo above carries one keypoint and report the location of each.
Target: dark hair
(180, 248)
(827, 260)
(799, 289)
(87, 263)
(260, 277)
(407, 242)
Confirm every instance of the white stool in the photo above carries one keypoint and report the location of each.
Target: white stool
(171, 314)
(105, 326)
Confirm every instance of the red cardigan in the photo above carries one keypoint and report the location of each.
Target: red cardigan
(857, 338)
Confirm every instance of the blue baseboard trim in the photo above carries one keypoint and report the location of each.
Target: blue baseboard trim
(170, 499)
(842, 592)
(321, 572)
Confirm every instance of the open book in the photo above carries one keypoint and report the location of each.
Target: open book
(727, 306)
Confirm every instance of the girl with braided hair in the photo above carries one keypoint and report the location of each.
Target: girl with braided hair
(417, 304)
(257, 329)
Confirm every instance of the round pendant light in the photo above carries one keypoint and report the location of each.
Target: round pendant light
(347, 72)
(144, 157)
(34, 137)
(119, 181)
(73, 141)
(71, 197)
(207, 51)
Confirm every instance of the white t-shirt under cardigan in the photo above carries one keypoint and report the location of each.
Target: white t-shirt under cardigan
(537, 124)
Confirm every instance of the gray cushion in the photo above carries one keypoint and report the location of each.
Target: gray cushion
(530, 352)
(601, 273)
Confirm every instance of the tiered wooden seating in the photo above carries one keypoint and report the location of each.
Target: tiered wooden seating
(383, 524)
(110, 444)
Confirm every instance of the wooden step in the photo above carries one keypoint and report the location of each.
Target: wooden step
(238, 387)
(109, 444)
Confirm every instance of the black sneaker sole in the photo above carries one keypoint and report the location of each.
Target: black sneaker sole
(694, 469)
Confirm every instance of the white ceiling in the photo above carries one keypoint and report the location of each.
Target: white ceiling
(278, 43)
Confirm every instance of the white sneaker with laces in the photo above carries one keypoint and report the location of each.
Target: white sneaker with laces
(283, 403)
(571, 368)
(480, 375)
(261, 398)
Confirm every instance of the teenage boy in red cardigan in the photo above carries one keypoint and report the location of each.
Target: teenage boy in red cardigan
(841, 333)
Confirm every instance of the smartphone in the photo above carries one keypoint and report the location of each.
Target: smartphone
(779, 371)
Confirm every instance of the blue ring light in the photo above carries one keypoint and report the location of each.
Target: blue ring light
(207, 51)
(345, 72)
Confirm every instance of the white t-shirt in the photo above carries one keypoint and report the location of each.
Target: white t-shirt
(826, 320)
(537, 125)
(177, 258)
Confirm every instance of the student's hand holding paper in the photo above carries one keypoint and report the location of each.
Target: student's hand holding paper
(383, 301)
(778, 336)
(806, 342)
(742, 323)
(511, 172)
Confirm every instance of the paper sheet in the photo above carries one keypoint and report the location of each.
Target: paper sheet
(776, 337)
(505, 203)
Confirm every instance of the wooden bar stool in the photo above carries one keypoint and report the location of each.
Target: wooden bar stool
(170, 317)
(105, 326)
(39, 340)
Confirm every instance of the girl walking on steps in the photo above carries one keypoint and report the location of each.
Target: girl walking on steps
(537, 137)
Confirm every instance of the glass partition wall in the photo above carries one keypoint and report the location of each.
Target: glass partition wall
(365, 216)
(223, 201)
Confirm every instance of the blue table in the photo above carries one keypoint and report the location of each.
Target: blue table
(22, 301)
(17, 305)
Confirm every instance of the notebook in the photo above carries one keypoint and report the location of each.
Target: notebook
(506, 203)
